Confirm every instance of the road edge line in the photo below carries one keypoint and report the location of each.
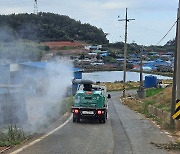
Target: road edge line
(42, 137)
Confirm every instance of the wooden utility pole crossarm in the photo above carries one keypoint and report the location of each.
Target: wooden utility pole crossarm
(125, 52)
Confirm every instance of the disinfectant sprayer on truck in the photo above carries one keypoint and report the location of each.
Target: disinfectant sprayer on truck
(90, 101)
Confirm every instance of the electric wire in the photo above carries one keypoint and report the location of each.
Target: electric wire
(167, 33)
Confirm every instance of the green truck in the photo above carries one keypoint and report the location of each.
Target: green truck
(90, 101)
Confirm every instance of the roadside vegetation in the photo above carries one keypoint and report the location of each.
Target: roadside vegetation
(160, 98)
(67, 104)
(11, 136)
(153, 91)
(118, 85)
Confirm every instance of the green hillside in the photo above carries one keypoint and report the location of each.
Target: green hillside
(48, 27)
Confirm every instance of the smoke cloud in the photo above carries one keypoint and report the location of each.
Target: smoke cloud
(48, 93)
(33, 97)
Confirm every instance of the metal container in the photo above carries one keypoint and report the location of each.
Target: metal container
(77, 75)
(150, 81)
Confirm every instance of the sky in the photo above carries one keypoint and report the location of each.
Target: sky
(153, 18)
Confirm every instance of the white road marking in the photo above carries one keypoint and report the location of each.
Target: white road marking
(170, 136)
(158, 126)
(166, 133)
(42, 137)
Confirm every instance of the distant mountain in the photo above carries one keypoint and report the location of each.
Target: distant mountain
(135, 48)
(48, 27)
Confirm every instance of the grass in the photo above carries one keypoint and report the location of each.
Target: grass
(66, 105)
(153, 91)
(152, 96)
(162, 97)
(144, 107)
(11, 136)
(159, 98)
(118, 85)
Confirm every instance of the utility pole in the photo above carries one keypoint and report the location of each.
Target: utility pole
(125, 52)
(141, 69)
(141, 92)
(173, 100)
(175, 106)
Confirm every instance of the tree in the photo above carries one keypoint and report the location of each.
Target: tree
(51, 27)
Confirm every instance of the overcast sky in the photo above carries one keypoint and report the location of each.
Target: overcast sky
(153, 18)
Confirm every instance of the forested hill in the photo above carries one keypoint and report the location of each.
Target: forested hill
(48, 27)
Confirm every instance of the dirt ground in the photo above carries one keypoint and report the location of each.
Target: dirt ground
(71, 51)
(67, 47)
(58, 44)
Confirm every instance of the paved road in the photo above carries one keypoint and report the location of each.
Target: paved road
(125, 132)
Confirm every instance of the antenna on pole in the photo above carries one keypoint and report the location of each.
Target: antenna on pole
(125, 52)
(35, 7)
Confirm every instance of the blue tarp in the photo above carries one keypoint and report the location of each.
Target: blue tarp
(156, 63)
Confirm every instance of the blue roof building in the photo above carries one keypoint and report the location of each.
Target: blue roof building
(155, 64)
(43, 65)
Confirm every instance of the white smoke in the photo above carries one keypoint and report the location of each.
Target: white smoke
(46, 106)
(44, 89)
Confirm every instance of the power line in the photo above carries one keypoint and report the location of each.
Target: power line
(167, 33)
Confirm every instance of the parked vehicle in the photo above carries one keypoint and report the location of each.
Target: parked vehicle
(91, 101)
